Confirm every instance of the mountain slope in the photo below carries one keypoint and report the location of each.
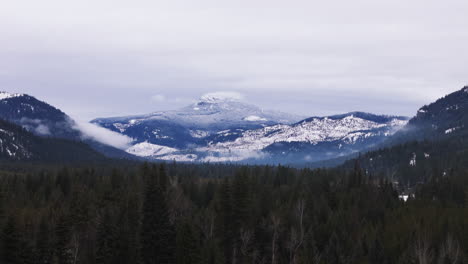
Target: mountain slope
(36, 116)
(437, 137)
(312, 139)
(438, 120)
(20, 145)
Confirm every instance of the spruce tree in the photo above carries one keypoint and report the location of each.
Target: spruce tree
(11, 253)
(63, 233)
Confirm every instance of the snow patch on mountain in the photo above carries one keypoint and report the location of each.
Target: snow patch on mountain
(199, 133)
(10, 146)
(221, 96)
(146, 149)
(6, 95)
(450, 130)
(412, 162)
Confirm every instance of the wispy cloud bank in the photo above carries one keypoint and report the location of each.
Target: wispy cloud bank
(102, 135)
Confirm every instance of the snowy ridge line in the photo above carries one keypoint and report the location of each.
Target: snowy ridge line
(6, 95)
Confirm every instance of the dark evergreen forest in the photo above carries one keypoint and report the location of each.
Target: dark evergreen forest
(180, 213)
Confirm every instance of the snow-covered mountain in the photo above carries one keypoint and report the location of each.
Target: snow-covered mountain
(311, 139)
(196, 123)
(226, 130)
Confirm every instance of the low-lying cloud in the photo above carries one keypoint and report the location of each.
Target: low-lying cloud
(103, 135)
(42, 130)
(35, 125)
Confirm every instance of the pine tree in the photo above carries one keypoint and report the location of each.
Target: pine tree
(107, 239)
(128, 225)
(134, 223)
(188, 249)
(63, 233)
(241, 208)
(43, 246)
(157, 233)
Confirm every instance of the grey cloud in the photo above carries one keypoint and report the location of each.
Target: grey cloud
(42, 130)
(105, 58)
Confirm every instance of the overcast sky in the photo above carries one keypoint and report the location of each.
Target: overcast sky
(98, 58)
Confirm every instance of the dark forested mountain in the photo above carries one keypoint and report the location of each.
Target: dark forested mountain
(435, 141)
(44, 120)
(18, 144)
(36, 116)
(444, 118)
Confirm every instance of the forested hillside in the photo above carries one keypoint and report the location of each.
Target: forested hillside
(156, 213)
(17, 144)
(434, 143)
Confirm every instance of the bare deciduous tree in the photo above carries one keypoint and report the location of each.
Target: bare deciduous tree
(207, 223)
(275, 226)
(245, 239)
(297, 236)
(422, 251)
